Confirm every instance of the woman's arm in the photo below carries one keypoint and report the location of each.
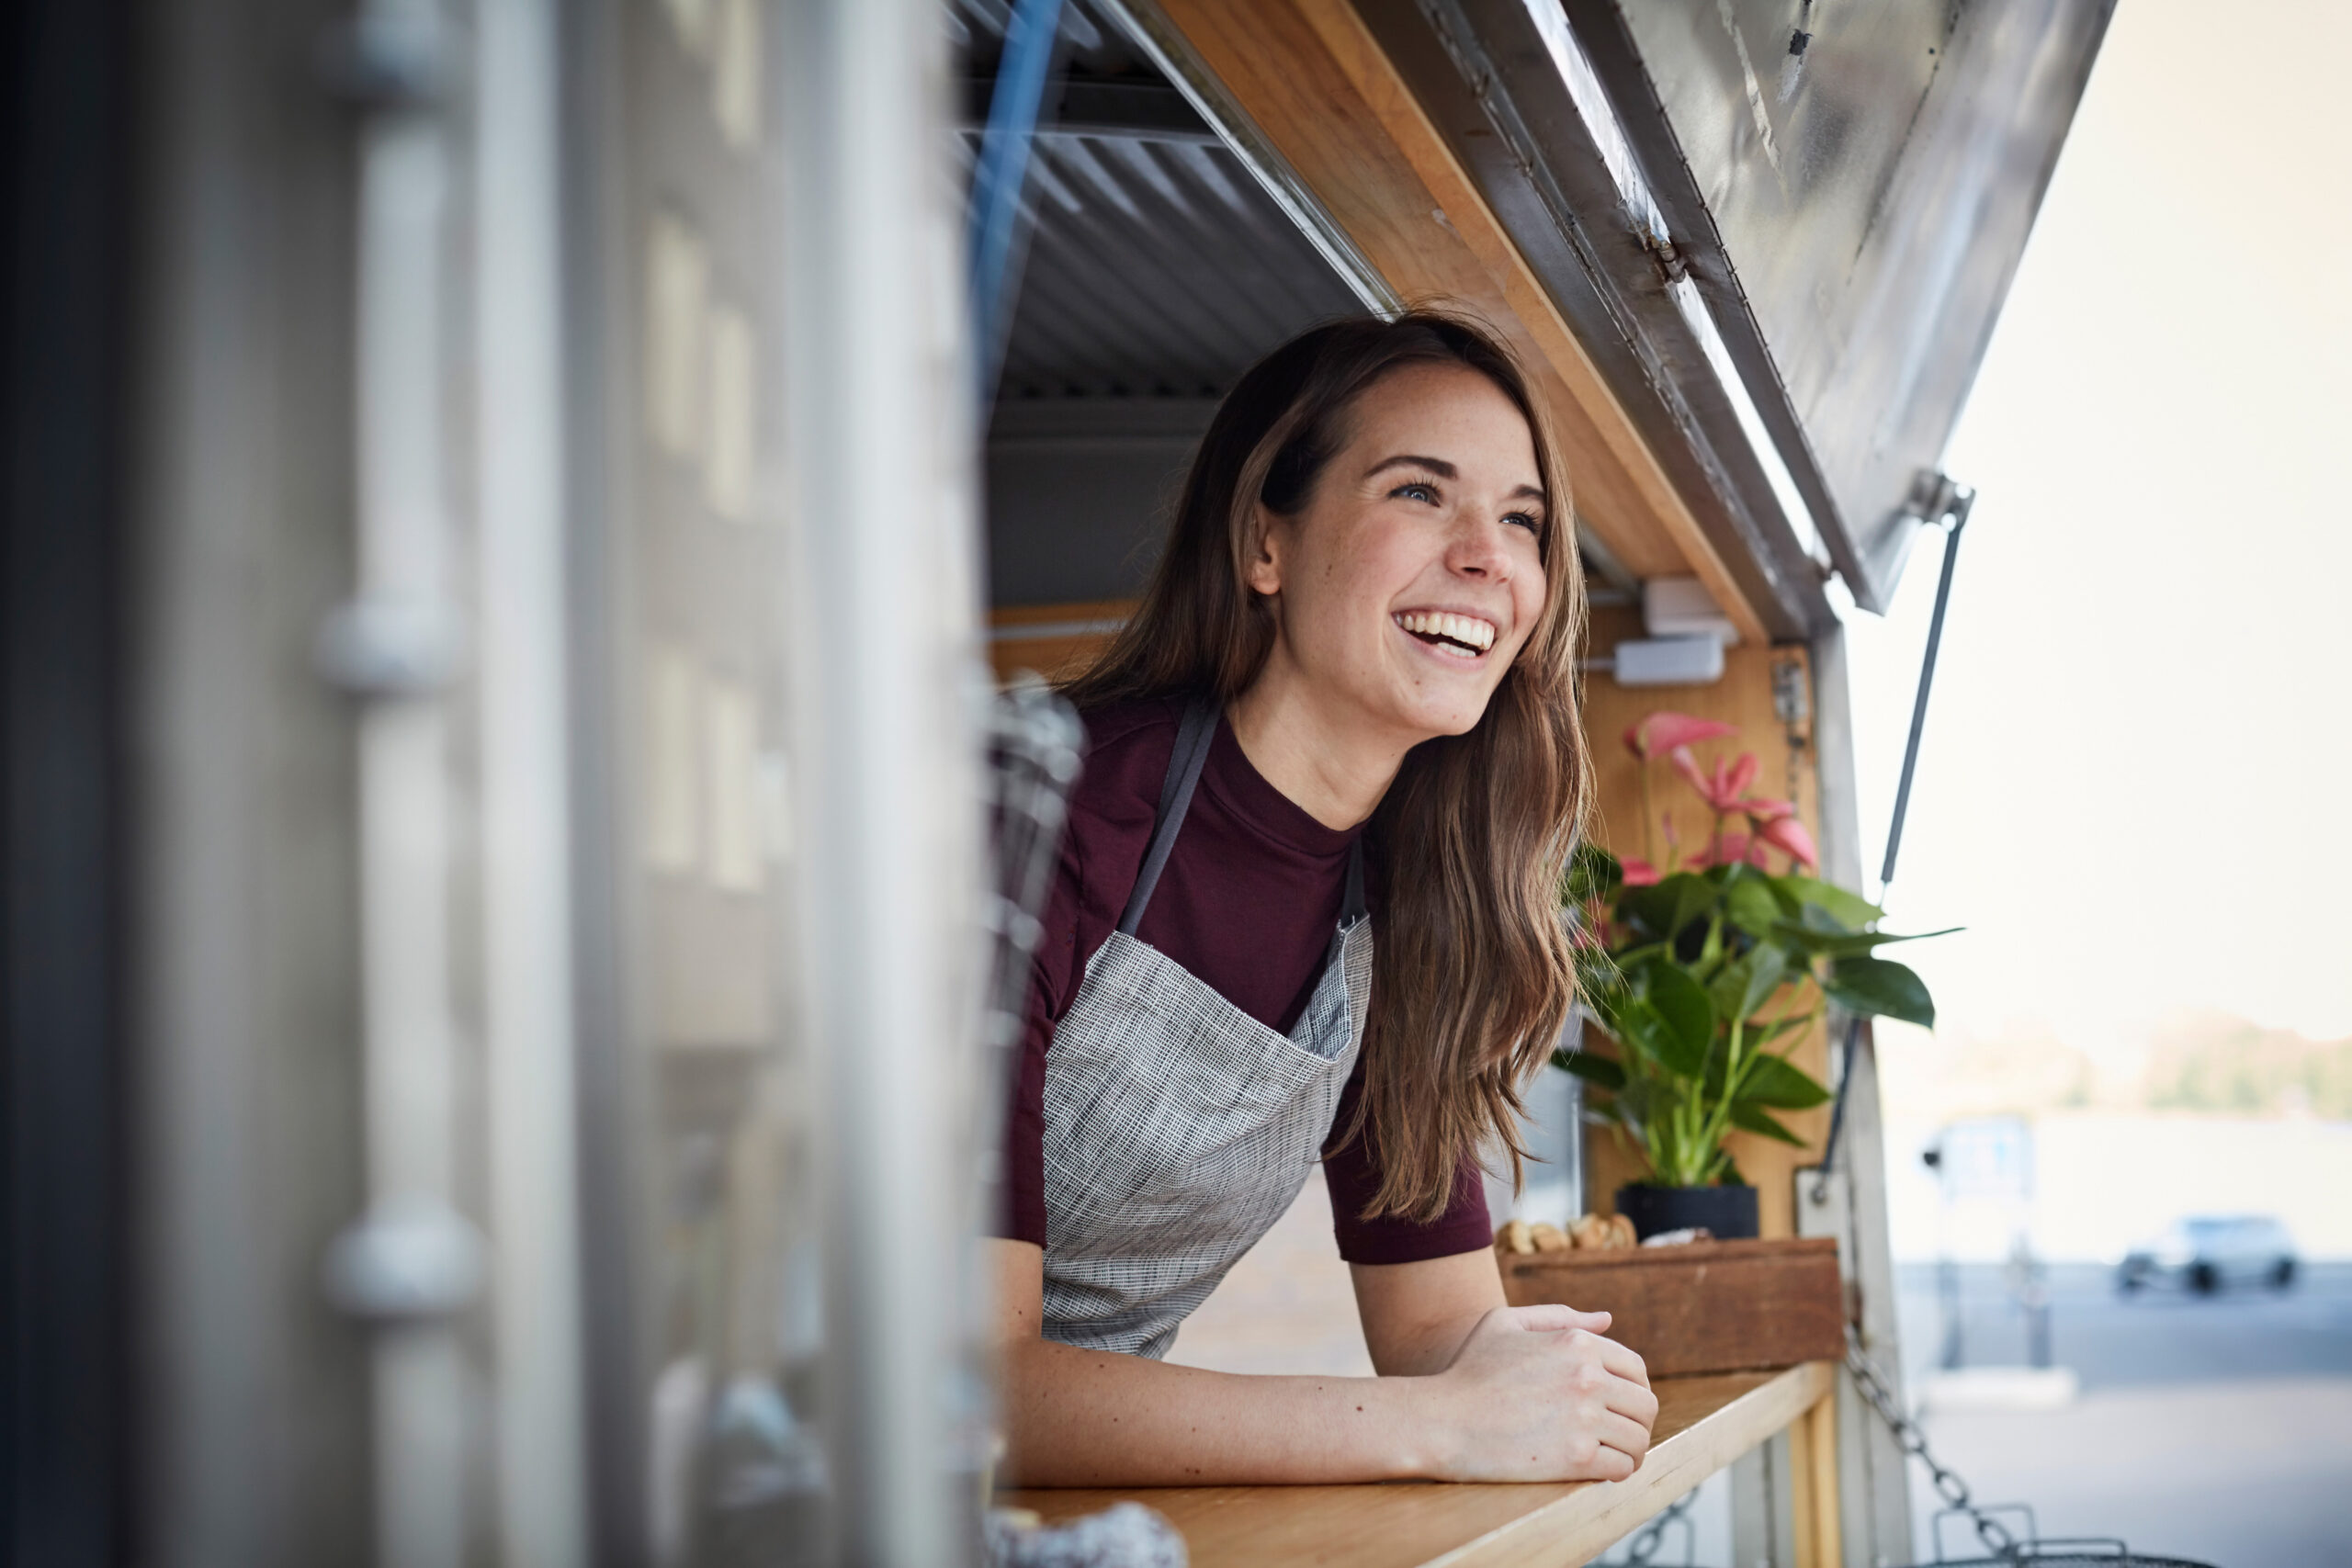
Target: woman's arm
(1527, 1393)
(1416, 1316)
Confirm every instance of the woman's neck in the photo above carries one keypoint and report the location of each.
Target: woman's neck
(1329, 763)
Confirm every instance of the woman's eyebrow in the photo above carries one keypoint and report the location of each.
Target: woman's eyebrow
(1446, 470)
(1437, 466)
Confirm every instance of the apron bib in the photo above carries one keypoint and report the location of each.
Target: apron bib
(1178, 1128)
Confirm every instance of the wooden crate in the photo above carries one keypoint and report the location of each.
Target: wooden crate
(1711, 1306)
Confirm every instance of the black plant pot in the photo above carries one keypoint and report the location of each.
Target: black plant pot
(1729, 1213)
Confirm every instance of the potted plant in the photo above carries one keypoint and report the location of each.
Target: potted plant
(1706, 969)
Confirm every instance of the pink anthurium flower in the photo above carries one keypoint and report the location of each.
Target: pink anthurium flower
(1640, 873)
(1789, 834)
(1722, 789)
(1758, 810)
(1664, 731)
(1729, 850)
(1732, 782)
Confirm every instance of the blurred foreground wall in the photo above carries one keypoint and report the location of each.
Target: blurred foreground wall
(489, 957)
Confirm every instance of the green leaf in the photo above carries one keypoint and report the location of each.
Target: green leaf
(1880, 987)
(1711, 949)
(1773, 1081)
(1642, 1030)
(1635, 1025)
(1602, 993)
(1593, 872)
(1745, 986)
(1753, 1119)
(1844, 945)
(1593, 1069)
(1649, 910)
(1766, 1034)
(1693, 896)
(1749, 905)
(1598, 974)
(1767, 967)
(1682, 1006)
(1848, 909)
(1660, 911)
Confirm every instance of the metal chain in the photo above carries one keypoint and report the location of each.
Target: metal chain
(1998, 1540)
(1650, 1537)
(1872, 1386)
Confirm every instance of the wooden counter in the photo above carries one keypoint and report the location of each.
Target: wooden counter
(1703, 1424)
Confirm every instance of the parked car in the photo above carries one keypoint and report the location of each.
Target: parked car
(2206, 1252)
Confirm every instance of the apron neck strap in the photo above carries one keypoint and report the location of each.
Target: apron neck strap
(1192, 737)
(1354, 909)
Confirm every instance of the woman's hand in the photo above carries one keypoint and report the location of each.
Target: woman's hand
(1535, 1394)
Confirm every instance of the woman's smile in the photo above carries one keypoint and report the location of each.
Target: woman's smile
(1457, 636)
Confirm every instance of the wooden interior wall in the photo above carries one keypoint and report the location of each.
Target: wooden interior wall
(1052, 641)
(1743, 697)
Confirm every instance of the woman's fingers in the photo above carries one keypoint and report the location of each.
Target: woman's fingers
(1625, 1363)
(1607, 1388)
(1636, 1406)
(1607, 1464)
(1549, 1318)
(1624, 1434)
(1586, 1334)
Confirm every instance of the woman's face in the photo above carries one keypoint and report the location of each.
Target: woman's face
(1410, 579)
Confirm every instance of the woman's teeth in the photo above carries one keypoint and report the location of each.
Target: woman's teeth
(1464, 637)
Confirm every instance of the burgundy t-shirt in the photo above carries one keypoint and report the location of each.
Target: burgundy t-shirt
(1248, 902)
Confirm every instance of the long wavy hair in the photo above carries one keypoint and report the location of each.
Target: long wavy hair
(1472, 979)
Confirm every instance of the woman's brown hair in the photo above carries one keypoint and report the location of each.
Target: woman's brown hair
(1472, 979)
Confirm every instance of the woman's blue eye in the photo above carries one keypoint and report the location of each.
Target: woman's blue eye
(1418, 491)
(1533, 524)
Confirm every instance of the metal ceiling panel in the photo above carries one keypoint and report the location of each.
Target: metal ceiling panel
(1158, 266)
(1089, 45)
(1158, 263)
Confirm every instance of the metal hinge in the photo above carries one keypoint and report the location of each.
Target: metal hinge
(1671, 264)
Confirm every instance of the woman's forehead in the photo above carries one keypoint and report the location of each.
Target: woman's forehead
(1449, 405)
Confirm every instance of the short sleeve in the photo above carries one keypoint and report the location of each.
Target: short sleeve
(1018, 1210)
(1353, 1172)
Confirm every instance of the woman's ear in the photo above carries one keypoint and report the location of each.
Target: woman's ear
(1265, 573)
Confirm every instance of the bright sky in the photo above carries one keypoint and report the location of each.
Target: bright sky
(2134, 786)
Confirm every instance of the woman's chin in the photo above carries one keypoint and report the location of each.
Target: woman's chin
(1427, 720)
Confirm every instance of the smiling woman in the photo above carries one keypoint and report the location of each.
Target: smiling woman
(1347, 701)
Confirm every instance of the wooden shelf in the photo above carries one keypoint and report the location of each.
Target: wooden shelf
(1053, 639)
(1703, 1424)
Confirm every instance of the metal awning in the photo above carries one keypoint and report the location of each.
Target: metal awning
(1784, 228)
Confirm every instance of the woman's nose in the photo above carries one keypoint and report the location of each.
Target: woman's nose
(1477, 549)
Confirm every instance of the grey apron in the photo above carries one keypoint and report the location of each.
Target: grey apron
(1179, 1128)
